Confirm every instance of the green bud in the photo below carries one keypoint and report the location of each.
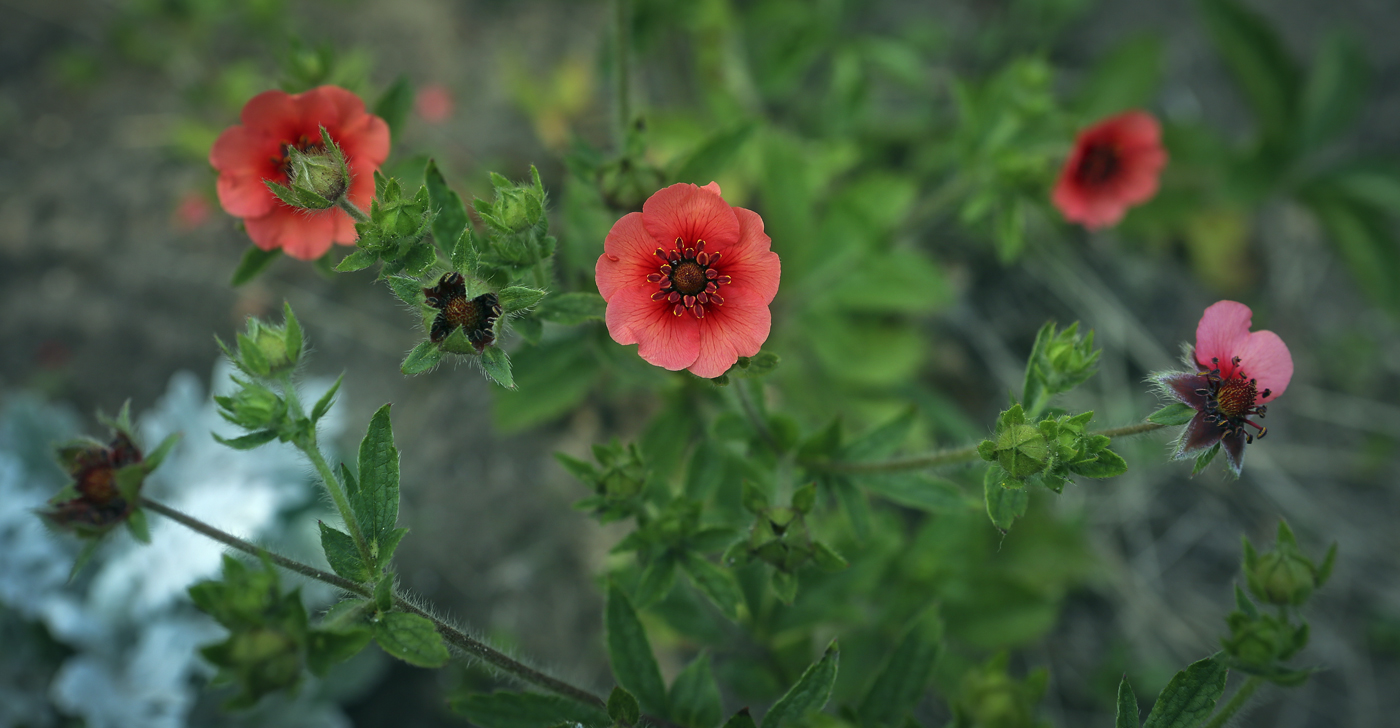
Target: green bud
(1283, 576)
(1259, 641)
(990, 698)
(319, 176)
(1021, 451)
(253, 407)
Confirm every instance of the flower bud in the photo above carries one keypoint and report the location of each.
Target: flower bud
(322, 173)
(254, 407)
(1021, 451)
(1284, 576)
(1259, 641)
(265, 350)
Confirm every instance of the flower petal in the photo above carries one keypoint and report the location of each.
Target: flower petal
(242, 150)
(738, 328)
(1222, 332)
(365, 142)
(749, 262)
(1265, 358)
(302, 235)
(629, 256)
(244, 195)
(690, 213)
(663, 338)
(1197, 437)
(1182, 387)
(1233, 445)
(273, 113)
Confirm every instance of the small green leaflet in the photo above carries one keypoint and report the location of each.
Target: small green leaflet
(504, 709)
(1127, 706)
(695, 700)
(340, 551)
(1176, 413)
(411, 638)
(1190, 696)
(633, 663)
(809, 694)
(497, 366)
(376, 500)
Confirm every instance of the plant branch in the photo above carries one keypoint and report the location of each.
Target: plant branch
(947, 457)
(1237, 701)
(449, 633)
(354, 212)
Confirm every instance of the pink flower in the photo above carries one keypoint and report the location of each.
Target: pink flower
(256, 150)
(1113, 166)
(1237, 372)
(433, 103)
(689, 279)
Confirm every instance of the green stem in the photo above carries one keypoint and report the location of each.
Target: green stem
(451, 634)
(1240, 697)
(622, 51)
(349, 207)
(947, 457)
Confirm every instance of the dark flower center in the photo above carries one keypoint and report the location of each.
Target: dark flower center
(1098, 165)
(477, 316)
(1230, 401)
(688, 278)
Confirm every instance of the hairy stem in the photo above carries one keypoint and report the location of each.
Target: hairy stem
(948, 457)
(1237, 701)
(349, 207)
(451, 634)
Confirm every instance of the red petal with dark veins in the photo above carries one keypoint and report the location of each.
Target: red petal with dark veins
(1233, 445)
(1182, 387)
(1198, 436)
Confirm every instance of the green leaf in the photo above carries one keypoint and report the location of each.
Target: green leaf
(137, 526)
(293, 337)
(394, 104)
(657, 580)
(1108, 464)
(1125, 78)
(356, 260)
(158, 455)
(247, 442)
(342, 554)
(411, 638)
(325, 648)
(1176, 413)
(633, 663)
(1335, 91)
(1262, 67)
(464, 255)
(503, 709)
(695, 699)
(1004, 505)
(784, 585)
(716, 582)
(1366, 242)
(809, 694)
(255, 260)
(1204, 459)
(1190, 696)
(84, 556)
(323, 405)
(623, 707)
(916, 490)
(517, 298)
(1127, 706)
(714, 155)
(408, 290)
(572, 308)
(449, 213)
(882, 441)
(905, 676)
(376, 504)
(497, 366)
(741, 719)
(423, 358)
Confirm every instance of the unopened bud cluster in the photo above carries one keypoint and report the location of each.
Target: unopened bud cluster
(780, 537)
(318, 176)
(1049, 451)
(617, 480)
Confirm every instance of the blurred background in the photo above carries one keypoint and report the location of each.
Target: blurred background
(901, 154)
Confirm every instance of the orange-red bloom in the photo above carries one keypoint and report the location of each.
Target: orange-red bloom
(256, 150)
(689, 279)
(1113, 166)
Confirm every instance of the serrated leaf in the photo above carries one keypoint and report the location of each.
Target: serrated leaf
(356, 260)
(342, 554)
(657, 579)
(423, 358)
(449, 212)
(517, 298)
(695, 699)
(1176, 413)
(497, 366)
(255, 260)
(741, 719)
(464, 255)
(1004, 505)
(572, 308)
(1204, 459)
(629, 650)
(411, 638)
(394, 104)
(247, 442)
(809, 694)
(1190, 696)
(623, 707)
(1127, 716)
(905, 676)
(377, 503)
(716, 582)
(292, 339)
(408, 290)
(323, 405)
(503, 709)
(1108, 464)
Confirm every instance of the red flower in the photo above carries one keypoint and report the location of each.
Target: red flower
(433, 103)
(1113, 166)
(689, 279)
(256, 150)
(1237, 371)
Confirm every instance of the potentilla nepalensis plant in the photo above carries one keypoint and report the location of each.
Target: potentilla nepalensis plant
(689, 279)
(276, 128)
(1114, 165)
(1236, 373)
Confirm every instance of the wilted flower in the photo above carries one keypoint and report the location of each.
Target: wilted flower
(1113, 166)
(477, 316)
(1236, 372)
(275, 127)
(689, 279)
